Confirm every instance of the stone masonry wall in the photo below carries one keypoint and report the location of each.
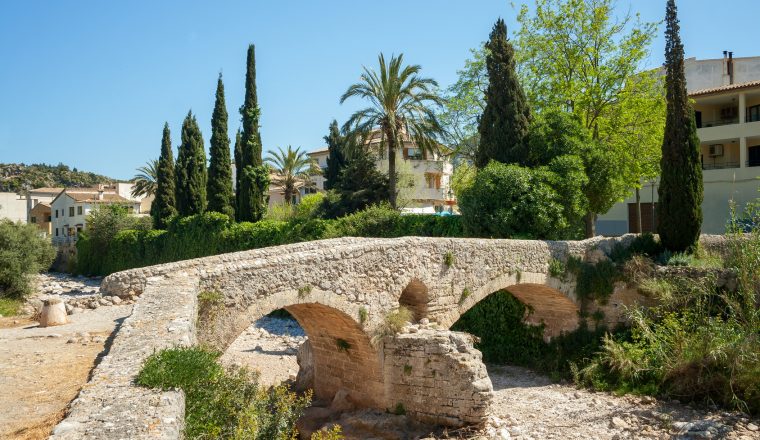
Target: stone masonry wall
(436, 376)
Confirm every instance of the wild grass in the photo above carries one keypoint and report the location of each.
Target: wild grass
(223, 403)
(393, 323)
(10, 306)
(701, 343)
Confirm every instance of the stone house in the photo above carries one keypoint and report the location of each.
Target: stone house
(41, 216)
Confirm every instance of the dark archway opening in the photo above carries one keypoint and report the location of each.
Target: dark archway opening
(415, 298)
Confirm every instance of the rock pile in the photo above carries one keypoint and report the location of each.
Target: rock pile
(76, 292)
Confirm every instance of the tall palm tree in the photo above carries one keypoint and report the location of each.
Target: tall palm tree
(400, 106)
(145, 179)
(291, 167)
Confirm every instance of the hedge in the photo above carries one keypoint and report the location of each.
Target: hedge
(213, 233)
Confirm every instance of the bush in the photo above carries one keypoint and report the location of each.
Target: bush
(700, 343)
(223, 403)
(498, 321)
(506, 201)
(213, 233)
(22, 253)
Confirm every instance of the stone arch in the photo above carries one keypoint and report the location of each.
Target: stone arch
(343, 356)
(542, 294)
(415, 298)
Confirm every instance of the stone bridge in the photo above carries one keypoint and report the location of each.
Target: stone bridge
(340, 291)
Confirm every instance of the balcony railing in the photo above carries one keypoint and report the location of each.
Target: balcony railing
(718, 122)
(720, 166)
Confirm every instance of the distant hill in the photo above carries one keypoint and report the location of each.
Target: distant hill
(16, 177)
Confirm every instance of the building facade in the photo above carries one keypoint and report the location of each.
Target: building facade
(70, 208)
(41, 216)
(726, 94)
(12, 207)
(424, 177)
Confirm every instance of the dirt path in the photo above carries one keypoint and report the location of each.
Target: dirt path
(42, 369)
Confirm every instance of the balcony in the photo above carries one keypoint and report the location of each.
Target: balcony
(720, 166)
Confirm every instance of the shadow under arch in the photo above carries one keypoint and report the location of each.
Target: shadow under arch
(415, 297)
(539, 292)
(342, 353)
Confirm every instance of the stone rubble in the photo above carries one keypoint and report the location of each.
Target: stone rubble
(78, 293)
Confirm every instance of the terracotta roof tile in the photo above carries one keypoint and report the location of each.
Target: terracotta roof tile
(726, 88)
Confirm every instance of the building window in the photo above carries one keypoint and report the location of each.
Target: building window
(79, 210)
(753, 113)
(49, 219)
(56, 215)
(433, 181)
(34, 219)
(71, 211)
(56, 231)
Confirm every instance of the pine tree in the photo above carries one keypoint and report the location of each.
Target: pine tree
(219, 189)
(254, 175)
(191, 170)
(336, 159)
(681, 189)
(163, 206)
(504, 123)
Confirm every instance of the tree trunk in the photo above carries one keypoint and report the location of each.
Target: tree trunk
(590, 219)
(638, 211)
(392, 169)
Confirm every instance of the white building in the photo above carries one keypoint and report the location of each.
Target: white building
(70, 208)
(13, 207)
(428, 173)
(726, 94)
(40, 195)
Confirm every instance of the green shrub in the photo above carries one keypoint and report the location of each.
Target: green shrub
(213, 233)
(644, 244)
(594, 281)
(699, 344)
(22, 253)
(507, 201)
(10, 306)
(498, 321)
(222, 403)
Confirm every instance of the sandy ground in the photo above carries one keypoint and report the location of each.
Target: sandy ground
(42, 369)
(269, 346)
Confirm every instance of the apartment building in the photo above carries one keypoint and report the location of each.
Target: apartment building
(428, 173)
(726, 95)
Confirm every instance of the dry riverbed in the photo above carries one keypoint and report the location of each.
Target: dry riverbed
(42, 370)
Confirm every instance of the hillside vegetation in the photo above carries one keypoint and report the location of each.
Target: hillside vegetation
(16, 177)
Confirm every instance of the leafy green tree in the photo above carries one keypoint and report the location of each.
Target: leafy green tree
(253, 174)
(191, 173)
(575, 55)
(681, 188)
(336, 159)
(219, 190)
(292, 167)
(400, 105)
(22, 252)
(164, 204)
(464, 104)
(510, 201)
(503, 127)
(145, 179)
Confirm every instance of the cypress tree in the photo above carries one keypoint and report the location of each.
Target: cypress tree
(191, 170)
(681, 189)
(163, 206)
(254, 175)
(503, 126)
(219, 189)
(336, 159)
(238, 163)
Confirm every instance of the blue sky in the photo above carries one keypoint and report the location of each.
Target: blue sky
(90, 83)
